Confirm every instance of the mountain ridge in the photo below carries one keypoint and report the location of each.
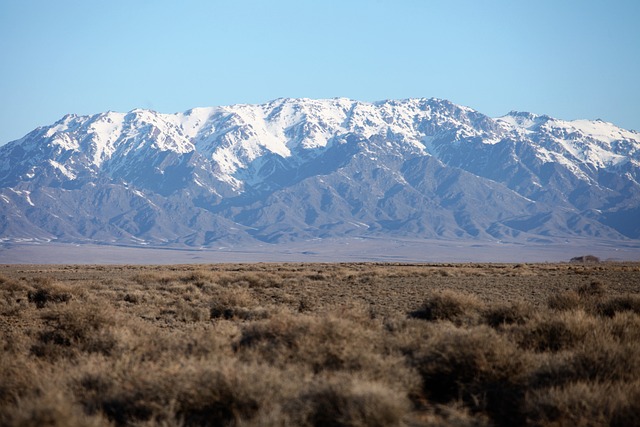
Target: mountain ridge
(297, 169)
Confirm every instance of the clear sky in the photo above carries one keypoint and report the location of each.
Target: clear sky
(566, 58)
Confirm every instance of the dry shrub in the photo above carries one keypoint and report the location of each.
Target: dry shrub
(183, 311)
(449, 305)
(621, 304)
(14, 342)
(47, 291)
(369, 278)
(152, 278)
(18, 379)
(595, 288)
(146, 352)
(599, 361)
(199, 278)
(187, 392)
(344, 403)
(219, 310)
(250, 280)
(305, 304)
(8, 284)
(76, 328)
(143, 341)
(476, 365)
(187, 312)
(450, 415)
(607, 362)
(216, 398)
(235, 303)
(625, 327)
(52, 409)
(585, 404)
(507, 314)
(316, 277)
(556, 332)
(361, 314)
(42, 281)
(325, 345)
(569, 300)
(13, 299)
(134, 297)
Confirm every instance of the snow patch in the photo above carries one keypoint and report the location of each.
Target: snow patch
(105, 132)
(65, 141)
(597, 129)
(23, 193)
(193, 121)
(63, 169)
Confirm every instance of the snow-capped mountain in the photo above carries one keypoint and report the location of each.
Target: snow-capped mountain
(296, 169)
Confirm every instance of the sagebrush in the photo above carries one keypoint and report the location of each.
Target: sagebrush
(320, 345)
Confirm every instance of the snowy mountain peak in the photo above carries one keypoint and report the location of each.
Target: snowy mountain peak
(524, 120)
(308, 168)
(235, 136)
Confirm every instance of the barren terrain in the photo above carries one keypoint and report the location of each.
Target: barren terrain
(351, 344)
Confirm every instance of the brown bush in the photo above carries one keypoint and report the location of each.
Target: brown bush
(585, 404)
(600, 361)
(133, 298)
(199, 278)
(152, 278)
(479, 367)
(450, 415)
(507, 314)
(188, 393)
(75, 328)
(13, 299)
(323, 343)
(353, 404)
(235, 303)
(52, 409)
(625, 327)
(46, 292)
(595, 288)
(250, 280)
(555, 332)
(189, 312)
(618, 305)
(18, 378)
(564, 301)
(448, 305)
(267, 345)
(11, 285)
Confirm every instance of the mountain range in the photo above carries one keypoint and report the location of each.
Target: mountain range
(296, 170)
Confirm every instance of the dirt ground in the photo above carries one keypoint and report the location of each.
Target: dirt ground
(395, 287)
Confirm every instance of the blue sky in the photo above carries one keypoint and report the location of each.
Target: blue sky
(569, 59)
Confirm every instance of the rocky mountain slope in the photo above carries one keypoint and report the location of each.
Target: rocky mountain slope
(299, 169)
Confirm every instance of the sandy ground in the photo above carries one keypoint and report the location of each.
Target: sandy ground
(338, 250)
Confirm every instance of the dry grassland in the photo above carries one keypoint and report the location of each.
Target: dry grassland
(320, 345)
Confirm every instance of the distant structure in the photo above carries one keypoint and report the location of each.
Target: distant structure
(585, 259)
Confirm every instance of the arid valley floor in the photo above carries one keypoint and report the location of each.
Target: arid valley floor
(314, 344)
